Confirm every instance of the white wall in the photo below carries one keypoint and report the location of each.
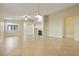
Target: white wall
(1, 32)
(55, 23)
(1, 29)
(76, 29)
(46, 26)
(28, 29)
(55, 26)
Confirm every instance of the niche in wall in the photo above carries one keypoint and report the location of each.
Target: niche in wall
(40, 32)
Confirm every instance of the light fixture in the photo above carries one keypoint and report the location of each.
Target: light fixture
(27, 17)
(38, 16)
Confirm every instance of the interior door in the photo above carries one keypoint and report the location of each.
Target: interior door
(69, 27)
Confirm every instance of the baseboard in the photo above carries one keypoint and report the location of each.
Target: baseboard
(56, 36)
(69, 36)
(76, 39)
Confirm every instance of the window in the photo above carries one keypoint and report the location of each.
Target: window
(11, 27)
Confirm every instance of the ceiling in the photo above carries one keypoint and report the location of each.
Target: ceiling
(20, 9)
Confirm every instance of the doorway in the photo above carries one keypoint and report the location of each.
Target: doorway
(13, 28)
(13, 36)
(28, 29)
(69, 26)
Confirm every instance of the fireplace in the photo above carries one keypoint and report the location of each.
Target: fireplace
(40, 32)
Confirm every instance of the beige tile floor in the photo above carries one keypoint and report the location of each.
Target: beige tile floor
(39, 46)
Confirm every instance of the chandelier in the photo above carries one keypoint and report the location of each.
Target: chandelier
(36, 18)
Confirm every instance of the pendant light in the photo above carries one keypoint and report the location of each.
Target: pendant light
(38, 16)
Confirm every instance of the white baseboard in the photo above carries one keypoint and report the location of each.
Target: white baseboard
(76, 39)
(55, 36)
(69, 36)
